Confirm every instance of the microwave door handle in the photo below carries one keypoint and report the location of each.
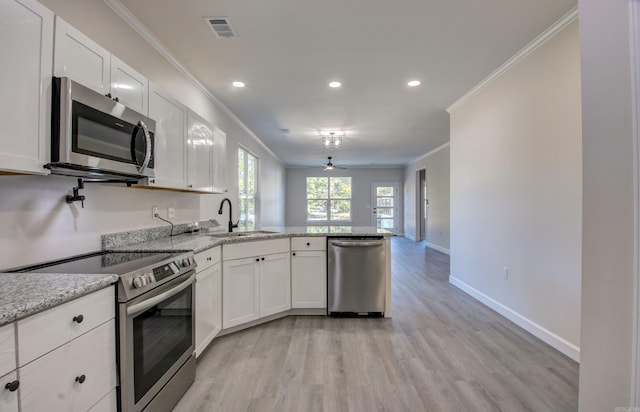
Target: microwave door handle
(147, 138)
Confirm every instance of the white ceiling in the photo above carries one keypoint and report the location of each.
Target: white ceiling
(287, 51)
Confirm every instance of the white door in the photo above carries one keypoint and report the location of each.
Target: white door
(275, 284)
(308, 279)
(240, 291)
(199, 145)
(129, 86)
(26, 30)
(170, 143)
(385, 206)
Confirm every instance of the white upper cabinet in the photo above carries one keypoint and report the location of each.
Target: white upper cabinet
(86, 62)
(81, 59)
(170, 142)
(199, 153)
(25, 115)
(129, 87)
(219, 161)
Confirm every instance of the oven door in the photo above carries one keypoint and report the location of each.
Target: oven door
(156, 340)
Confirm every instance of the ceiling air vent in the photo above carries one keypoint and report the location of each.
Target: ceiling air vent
(222, 27)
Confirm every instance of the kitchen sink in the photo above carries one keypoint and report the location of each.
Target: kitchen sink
(241, 234)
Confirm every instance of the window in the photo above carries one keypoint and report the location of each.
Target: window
(247, 189)
(328, 199)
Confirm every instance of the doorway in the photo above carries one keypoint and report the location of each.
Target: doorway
(423, 203)
(385, 206)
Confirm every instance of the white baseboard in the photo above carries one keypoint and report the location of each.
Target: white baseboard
(438, 248)
(410, 237)
(538, 331)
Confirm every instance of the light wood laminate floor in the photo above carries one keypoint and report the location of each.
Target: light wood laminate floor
(441, 351)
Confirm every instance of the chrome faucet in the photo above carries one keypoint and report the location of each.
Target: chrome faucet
(231, 224)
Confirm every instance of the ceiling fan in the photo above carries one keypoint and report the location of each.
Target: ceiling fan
(331, 166)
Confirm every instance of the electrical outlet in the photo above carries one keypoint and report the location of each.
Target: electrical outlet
(505, 273)
(154, 212)
(171, 212)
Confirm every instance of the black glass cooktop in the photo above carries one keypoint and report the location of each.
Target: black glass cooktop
(117, 263)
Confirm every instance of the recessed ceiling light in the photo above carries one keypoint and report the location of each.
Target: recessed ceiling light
(413, 83)
(238, 84)
(335, 84)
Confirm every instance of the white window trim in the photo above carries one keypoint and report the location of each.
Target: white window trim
(328, 222)
(257, 184)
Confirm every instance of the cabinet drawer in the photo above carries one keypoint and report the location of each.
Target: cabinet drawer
(309, 243)
(257, 248)
(207, 258)
(7, 349)
(55, 381)
(45, 331)
(8, 399)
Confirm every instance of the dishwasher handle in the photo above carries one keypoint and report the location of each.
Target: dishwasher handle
(357, 243)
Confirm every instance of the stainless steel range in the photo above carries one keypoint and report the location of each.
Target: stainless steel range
(155, 322)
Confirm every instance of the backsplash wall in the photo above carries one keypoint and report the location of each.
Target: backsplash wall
(38, 225)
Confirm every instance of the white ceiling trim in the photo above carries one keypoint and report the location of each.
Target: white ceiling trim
(126, 15)
(545, 36)
(429, 153)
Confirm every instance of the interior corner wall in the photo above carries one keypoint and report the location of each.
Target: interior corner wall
(437, 173)
(609, 247)
(516, 188)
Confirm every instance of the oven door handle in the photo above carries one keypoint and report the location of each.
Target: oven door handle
(151, 302)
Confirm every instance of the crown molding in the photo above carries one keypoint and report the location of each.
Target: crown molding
(429, 153)
(545, 36)
(126, 15)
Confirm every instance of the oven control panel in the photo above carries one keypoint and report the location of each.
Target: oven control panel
(141, 281)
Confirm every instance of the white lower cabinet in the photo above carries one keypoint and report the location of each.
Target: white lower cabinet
(74, 376)
(9, 394)
(257, 285)
(208, 306)
(240, 291)
(308, 279)
(275, 284)
(107, 404)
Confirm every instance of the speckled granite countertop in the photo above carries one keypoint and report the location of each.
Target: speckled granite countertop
(203, 241)
(24, 294)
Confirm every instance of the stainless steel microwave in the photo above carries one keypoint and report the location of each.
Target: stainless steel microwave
(95, 136)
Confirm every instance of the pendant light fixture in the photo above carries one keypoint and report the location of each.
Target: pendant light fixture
(332, 139)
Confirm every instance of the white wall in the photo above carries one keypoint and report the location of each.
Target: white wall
(361, 192)
(608, 207)
(35, 219)
(436, 165)
(516, 192)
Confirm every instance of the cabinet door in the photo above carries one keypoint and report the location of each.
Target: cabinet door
(240, 291)
(8, 399)
(130, 87)
(54, 382)
(208, 307)
(81, 59)
(308, 280)
(170, 143)
(25, 110)
(275, 284)
(7, 348)
(219, 161)
(199, 144)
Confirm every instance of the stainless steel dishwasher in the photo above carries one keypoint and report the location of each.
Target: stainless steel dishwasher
(356, 269)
